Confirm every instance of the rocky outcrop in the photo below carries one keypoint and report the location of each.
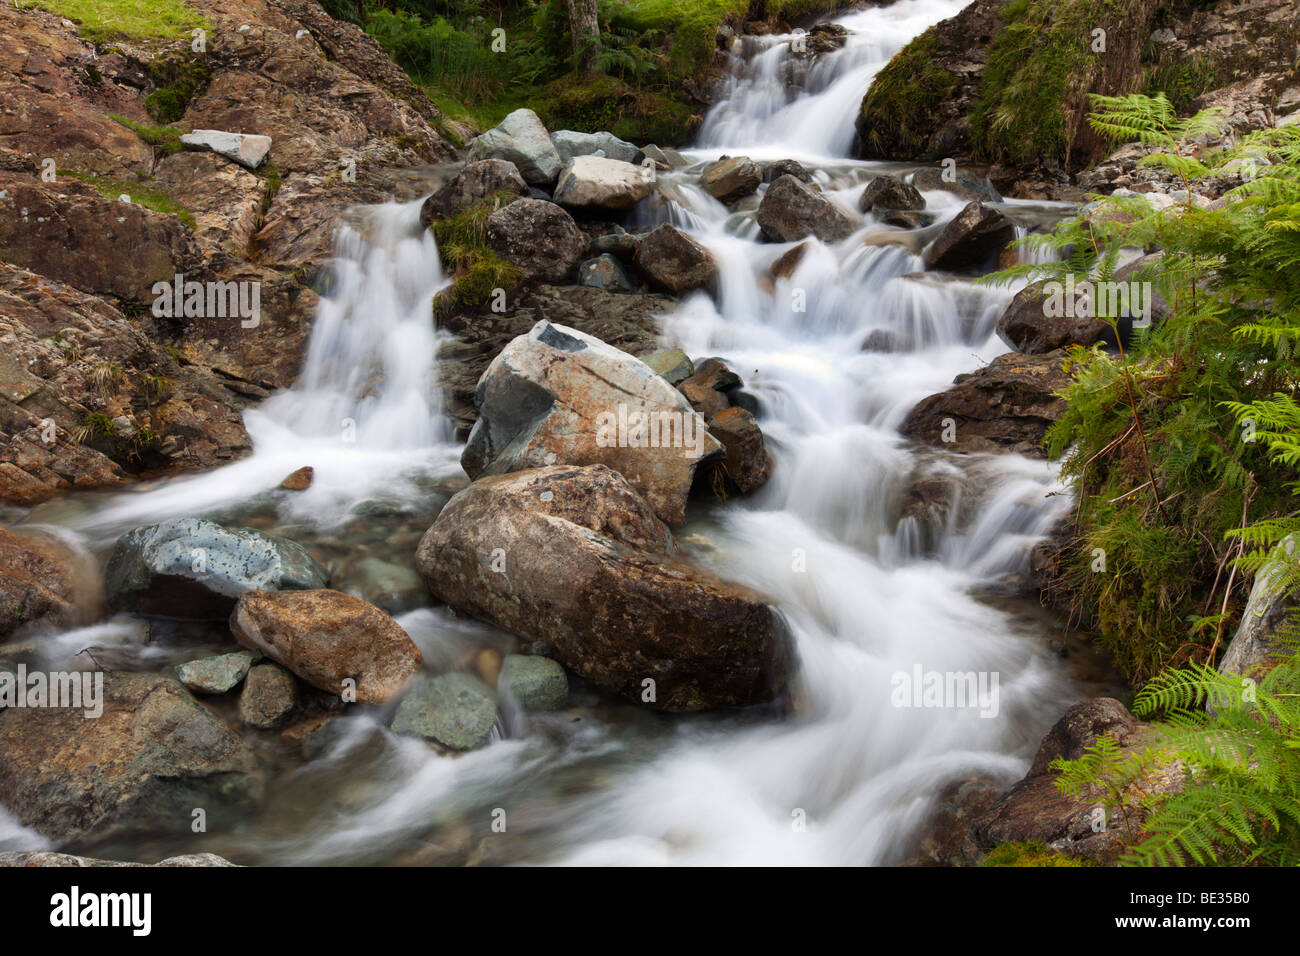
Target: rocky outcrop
(521, 139)
(792, 210)
(191, 568)
(972, 240)
(344, 120)
(559, 396)
(334, 641)
(598, 184)
(926, 103)
(675, 262)
(474, 183)
(143, 766)
(1005, 406)
(633, 619)
(1034, 811)
(537, 236)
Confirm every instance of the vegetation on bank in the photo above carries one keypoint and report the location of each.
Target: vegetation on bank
(478, 271)
(1184, 453)
(640, 76)
(140, 21)
(141, 193)
(1043, 59)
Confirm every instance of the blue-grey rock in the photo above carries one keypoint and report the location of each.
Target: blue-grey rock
(521, 139)
(196, 569)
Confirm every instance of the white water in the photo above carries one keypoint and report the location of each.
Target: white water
(864, 595)
(761, 112)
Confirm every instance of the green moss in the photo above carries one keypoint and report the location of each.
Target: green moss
(462, 244)
(897, 114)
(143, 194)
(1030, 854)
(177, 80)
(139, 20)
(272, 176)
(165, 139)
(1040, 67)
(593, 103)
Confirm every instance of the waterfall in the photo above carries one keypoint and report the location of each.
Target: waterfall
(847, 776)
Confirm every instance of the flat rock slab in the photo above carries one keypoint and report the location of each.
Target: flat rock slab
(248, 150)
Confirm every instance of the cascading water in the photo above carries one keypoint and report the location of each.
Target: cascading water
(847, 777)
(761, 111)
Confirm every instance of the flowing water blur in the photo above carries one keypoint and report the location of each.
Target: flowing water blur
(848, 777)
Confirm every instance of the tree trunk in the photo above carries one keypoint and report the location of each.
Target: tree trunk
(583, 24)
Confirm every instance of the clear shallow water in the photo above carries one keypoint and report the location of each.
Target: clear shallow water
(604, 782)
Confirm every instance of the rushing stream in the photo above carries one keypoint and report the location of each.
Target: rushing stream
(846, 777)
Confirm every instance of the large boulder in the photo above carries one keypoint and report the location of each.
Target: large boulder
(1034, 811)
(792, 210)
(521, 139)
(601, 184)
(1027, 327)
(571, 144)
(972, 240)
(1005, 406)
(152, 757)
(537, 236)
(630, 322)
(557, 395)
(732, 178)
(192, 568)
(586, 566)
(474, 183)
(675, 262)
(329, 639)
